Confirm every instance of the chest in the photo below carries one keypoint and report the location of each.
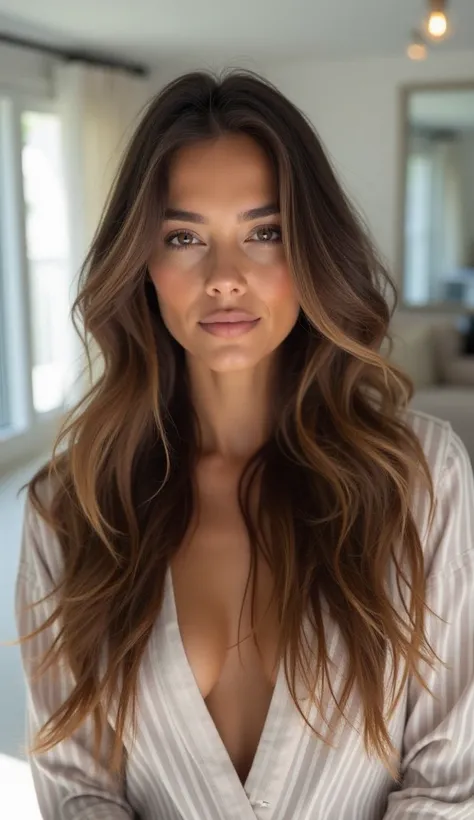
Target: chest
(210, 574)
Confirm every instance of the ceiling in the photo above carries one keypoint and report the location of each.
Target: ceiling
(156, 31)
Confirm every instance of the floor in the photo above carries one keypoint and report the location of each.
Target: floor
(17, 790)
(16, 785)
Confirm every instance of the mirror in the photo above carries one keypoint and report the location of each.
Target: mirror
(438, 198)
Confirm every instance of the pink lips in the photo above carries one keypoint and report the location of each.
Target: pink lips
(229, 323)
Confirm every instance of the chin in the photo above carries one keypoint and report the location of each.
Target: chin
(231, 361)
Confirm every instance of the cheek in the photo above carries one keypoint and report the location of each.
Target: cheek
(172, 289)
(173, 299)
(279, 291)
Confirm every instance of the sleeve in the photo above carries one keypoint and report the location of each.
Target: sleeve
(68, 784)
(437, 763)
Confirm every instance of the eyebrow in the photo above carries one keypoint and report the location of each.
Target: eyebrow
(245, 216)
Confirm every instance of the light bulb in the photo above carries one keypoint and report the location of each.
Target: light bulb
(437, 24)
(417, 51)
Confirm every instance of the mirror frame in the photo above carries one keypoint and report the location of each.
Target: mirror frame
(405, 91)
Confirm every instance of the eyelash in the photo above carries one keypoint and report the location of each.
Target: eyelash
(168, 240)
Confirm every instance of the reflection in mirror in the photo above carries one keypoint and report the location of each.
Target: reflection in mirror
(438, 240)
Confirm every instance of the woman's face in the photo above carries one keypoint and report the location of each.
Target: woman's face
(216, 252)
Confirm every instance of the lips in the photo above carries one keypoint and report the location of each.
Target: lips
(228, 316)
(229, 323)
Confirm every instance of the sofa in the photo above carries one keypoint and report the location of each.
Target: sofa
(430, 352)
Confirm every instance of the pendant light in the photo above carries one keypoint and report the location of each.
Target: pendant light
(417, 47)
(437, 24)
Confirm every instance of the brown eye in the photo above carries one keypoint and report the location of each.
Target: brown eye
(268, 234)
(185, 236)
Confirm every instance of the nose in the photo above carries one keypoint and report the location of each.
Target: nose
(224, 275)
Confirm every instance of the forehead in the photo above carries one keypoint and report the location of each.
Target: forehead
(231, 167)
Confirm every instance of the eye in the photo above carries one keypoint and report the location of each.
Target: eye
(267, 234)
(187, 236)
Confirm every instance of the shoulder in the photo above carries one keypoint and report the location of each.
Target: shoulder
(40, 551)
(435, 436)
(448, 540)
(444, 450)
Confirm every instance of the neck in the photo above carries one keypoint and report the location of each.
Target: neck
(234, 409)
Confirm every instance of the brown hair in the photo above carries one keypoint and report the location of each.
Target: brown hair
(335, 477)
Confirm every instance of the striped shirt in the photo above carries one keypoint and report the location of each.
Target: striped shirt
(178, 767)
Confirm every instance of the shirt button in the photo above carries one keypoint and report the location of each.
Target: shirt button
(262, 804)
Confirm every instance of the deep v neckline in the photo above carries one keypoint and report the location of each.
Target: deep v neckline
(197, 707)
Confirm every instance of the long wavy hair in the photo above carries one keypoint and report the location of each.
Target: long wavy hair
(335, 477)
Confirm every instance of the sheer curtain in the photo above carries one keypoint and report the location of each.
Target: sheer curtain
(99, 109)
(447, 215)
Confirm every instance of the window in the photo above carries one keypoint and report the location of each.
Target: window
(37, 365)
(418, 228)
(47, 252)
(4, 412)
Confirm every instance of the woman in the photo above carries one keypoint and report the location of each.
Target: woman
(246, 432)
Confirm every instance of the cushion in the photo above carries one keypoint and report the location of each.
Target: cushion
(460, 371)
(452, 366)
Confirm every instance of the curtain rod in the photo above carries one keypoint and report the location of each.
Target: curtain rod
(70, 56)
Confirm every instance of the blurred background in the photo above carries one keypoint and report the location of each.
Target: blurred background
(390, 89)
